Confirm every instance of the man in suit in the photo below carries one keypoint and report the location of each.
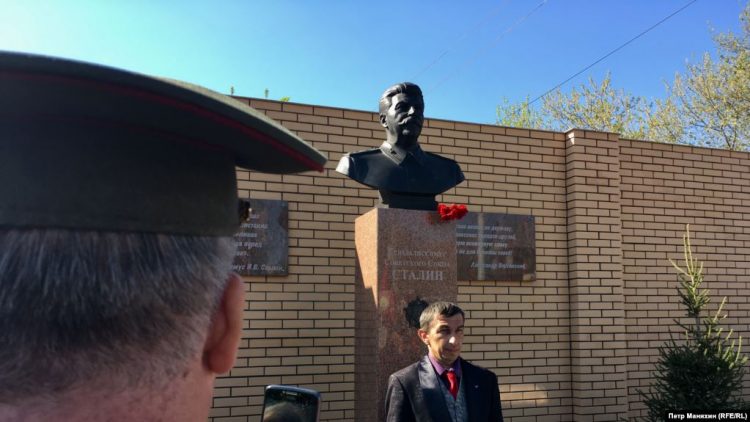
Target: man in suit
(119, 203)
(404, 174)
(443, 387)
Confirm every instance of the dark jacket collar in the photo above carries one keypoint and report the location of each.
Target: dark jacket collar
(399, 154)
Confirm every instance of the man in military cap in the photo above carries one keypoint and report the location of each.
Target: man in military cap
(119, 202)
(404, 174)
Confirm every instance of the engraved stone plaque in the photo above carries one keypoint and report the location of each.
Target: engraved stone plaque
(263, 241)
(492, 246)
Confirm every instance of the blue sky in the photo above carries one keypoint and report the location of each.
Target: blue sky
(466, 56)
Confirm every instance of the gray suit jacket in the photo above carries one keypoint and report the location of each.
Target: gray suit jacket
(414, 394)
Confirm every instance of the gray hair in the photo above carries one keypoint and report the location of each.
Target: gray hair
(402, 88)
(282, 412)
(446, 309)
(76, 305)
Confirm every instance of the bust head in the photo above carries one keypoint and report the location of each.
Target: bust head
(402, 114)
(405, 178)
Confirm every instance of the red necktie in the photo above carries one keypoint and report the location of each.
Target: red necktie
(452, 383)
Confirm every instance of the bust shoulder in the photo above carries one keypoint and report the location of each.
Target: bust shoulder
(353, 164)
(445, 161)
(448, 167)
(365, 154)
(421, 173)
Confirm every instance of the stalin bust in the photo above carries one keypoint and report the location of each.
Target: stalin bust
(404, 174)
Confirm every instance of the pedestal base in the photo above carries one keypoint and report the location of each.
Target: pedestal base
(406, 259)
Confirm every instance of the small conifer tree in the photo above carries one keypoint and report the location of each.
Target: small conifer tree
(705, 370)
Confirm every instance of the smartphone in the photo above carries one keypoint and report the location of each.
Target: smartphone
(284, 403)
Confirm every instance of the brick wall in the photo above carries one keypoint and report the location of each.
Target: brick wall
(572, 345)
(665, 187)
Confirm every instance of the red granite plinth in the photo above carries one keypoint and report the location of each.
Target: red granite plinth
(405, 260)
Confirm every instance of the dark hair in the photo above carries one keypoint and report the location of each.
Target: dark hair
(446, 309)
(402, 88)
(76, 305)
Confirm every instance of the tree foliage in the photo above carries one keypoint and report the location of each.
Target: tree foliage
(598, 105)
(704, 371)
(709, 105)
(714, 95)
(519, 115)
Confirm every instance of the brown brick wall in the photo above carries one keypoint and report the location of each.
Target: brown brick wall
(665, 187)
(597, 311)
(572, 345)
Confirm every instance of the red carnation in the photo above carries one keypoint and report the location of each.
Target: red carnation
(461, 211)
(451, 212)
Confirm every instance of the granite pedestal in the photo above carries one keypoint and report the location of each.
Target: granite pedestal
(406, 259)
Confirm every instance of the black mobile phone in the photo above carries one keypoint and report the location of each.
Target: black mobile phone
(284, 403)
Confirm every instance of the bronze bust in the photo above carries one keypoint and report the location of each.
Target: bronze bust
(404, 174)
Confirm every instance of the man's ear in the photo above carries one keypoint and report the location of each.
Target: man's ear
(382, 120)
(422, 335)
(225, 331)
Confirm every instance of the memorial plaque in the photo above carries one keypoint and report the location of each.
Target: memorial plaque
(493, 246)
(263, 241)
